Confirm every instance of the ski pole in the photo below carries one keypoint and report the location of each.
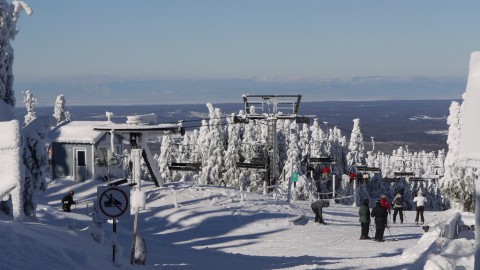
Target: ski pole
(389, 232)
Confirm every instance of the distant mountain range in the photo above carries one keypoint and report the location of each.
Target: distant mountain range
(110, 91)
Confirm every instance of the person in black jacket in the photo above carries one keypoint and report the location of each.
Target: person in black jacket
(317, 209)
(381, 216)
(67, 201)
(364, 213)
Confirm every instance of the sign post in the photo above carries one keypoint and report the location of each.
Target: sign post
(113, 203)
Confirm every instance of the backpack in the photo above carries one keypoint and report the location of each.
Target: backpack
(65, 203)
(399, 200)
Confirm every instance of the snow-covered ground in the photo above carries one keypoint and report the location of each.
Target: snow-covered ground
(188, 227)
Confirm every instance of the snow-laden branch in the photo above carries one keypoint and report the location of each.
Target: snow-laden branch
(18, 6)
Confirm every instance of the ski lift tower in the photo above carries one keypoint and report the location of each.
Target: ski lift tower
(270, 108)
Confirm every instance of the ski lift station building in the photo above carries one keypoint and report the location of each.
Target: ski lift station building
(79, 152)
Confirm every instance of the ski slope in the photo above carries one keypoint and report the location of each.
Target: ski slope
(188, 227)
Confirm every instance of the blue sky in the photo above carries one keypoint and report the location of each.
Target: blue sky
(197, 51)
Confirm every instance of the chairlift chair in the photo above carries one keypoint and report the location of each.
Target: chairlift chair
(403, 174)
(417, 179)
(184, 166)
(391, 179)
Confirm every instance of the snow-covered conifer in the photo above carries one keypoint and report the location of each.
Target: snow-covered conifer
(35, 159)
(314, 143)
(293, 160)
(213, 163)
(337, 145)
(9, 14)
(59, 111)
(165, 158)
(304, 139)
(231, 176)
(30, 102)
(356, 147)
(282, 141)
(196, 151)
(249, 142)
(458, 182)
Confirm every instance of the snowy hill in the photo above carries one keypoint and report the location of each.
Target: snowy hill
(188, 227)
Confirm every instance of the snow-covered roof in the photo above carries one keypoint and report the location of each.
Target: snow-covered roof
(92, 131)
(129, 127)
(76, 132)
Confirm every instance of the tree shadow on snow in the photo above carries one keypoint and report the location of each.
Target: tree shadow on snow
(200, 234)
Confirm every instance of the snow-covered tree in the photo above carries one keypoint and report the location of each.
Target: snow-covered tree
(59, 111)
(317, 144)
(35, 159)
(9, 14)
(282, 141)
(337, 149)
(356, 147)
(231, 176)
(30, 102)
(196, 151)
(293, 160)
(166, 157)
(458, 183)
(249, 142)
(304, 139)
(213, 164)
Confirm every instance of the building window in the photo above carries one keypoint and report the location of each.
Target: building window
(81, 158)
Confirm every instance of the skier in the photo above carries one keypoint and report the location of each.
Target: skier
(317, 209)
(325, 172)
(420, 200)
(352, 176)
(398, 207)
(67, 201)
(385, 204)
(364, 213)
(381, 216)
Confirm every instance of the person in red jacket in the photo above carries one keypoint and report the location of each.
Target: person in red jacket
(353, 176)
(384, 203)
(325, 172)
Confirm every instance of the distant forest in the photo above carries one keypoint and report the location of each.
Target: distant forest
(419, 124)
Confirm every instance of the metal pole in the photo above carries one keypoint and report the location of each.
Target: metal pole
(136, 153)
(112, 142)
(289, 195)
(355, 192)
(333, 187)
(114, 237)
(314, 186)
(134, 238)
(289, 189)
